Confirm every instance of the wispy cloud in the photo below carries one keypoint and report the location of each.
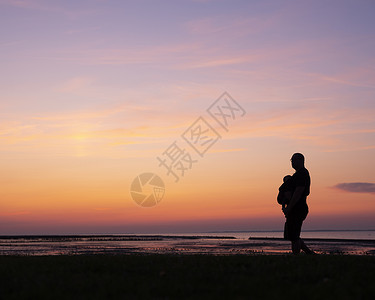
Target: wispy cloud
(190, 54)
(343, 81)
(220, 61)
(10, 43)
(228, 150)
(82, 30)
(165, 54)
(356, 187)
(14, 213)
(234, 25)
(47, 6)
(350, 149)
(75, 84)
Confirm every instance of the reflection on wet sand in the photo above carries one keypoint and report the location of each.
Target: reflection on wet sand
(168, 244)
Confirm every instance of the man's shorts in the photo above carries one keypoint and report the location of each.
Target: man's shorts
(292, 227)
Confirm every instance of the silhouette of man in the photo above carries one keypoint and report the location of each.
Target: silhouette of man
(296, 210)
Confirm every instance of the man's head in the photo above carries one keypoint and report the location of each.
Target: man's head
(298, 161)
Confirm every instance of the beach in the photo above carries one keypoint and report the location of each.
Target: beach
(200, 266)
(269, 243)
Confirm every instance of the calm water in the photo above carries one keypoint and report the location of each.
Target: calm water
(226, 243)
(321, 234)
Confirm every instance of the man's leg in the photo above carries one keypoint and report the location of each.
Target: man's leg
(293, 224)
(305, 249)
(288, 232)
(296, 246)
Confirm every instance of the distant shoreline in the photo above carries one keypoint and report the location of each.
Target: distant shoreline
(166, 236)
(317, 239)
(207, 234)
(119, 237)
(150, 237)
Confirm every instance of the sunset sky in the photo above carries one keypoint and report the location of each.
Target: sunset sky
(93, 91)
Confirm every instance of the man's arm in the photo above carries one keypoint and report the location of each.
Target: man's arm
(295, 198)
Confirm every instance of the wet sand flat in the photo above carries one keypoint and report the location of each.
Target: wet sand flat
(169, 244)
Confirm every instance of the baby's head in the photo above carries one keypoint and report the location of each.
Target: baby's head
(286, 178)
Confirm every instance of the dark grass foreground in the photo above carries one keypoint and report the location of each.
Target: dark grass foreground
(187, 276)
